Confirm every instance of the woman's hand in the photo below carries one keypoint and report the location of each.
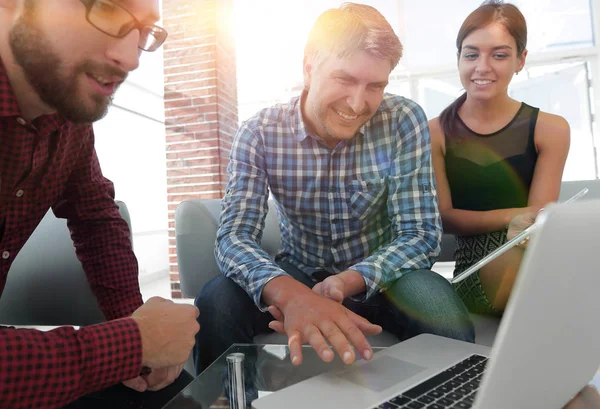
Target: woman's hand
(588, 398)
(521, 222)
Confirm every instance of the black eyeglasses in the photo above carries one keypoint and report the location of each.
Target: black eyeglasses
(116, 21)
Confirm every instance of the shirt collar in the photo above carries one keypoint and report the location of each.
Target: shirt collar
(9, 105)
(298, 125)
(8, 100)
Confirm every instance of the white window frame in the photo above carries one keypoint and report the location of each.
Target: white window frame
(590, 55)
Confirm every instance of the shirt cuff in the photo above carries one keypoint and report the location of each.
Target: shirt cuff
(119, 304)
(260, 287)
(111, 351)
(371, 282)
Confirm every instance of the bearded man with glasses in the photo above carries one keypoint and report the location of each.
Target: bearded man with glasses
(61, 62)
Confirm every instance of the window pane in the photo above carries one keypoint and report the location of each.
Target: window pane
(436, 93)
(557, 24)
(430, 27)
(565, 92)
(399, 85)
(270, 36)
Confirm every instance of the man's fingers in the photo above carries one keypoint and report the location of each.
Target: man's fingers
(158, 379)
(330, 288)
(163, 377)
(356, 334)
(277, 326)
(137, 384)
(363, 324)
(339, 342)
(276, 313)
(336, 295)
(313, 336)
(295, 345)
(368, 328)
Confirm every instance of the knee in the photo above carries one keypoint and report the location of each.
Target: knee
(220, 298)
(420, 285)
(204, 299)
(430, 300)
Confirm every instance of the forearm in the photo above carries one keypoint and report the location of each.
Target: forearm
(240, 258)
(105, 252)
(101, 237)
(280, 291)
(410, 251)
(469, 222)
(50, 369)
(238, 253)
(354, 282)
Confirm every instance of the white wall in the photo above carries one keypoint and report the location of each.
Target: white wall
(130, 142)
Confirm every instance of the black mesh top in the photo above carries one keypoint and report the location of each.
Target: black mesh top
(492, 171)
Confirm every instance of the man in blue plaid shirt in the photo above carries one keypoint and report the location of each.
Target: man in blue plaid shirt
(349, 170)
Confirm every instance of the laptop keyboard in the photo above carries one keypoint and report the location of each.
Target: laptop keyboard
(453, 388)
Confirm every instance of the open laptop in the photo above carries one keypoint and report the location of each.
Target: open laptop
(546, 349)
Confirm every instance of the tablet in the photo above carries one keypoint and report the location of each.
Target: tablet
(508, 245)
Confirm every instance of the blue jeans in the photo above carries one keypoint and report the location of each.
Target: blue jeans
(419, 302)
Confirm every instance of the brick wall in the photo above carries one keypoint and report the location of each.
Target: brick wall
(200, 104)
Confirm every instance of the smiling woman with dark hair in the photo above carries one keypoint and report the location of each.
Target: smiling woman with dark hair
(496, 160)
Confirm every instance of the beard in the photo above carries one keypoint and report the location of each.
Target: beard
(56, 85)
(322, 111)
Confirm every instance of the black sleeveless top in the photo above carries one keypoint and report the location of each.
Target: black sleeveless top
(489, 172)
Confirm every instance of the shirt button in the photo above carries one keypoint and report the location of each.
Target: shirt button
(21, 121)
(20, 192)
(5, 255)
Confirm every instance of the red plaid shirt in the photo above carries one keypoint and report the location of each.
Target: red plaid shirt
(51, 162)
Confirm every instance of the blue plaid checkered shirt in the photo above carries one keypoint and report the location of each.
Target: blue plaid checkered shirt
(368, 205)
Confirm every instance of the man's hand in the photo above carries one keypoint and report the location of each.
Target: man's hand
(156, 380)
(340, 286)
(308, 317)
(137, 384)
(336, 287)
(167, 330)
(588, 398)
(332, 287)
(163, 377)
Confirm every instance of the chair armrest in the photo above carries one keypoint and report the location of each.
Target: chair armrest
(196, 223)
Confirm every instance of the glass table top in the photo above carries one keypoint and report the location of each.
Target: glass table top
(267, 368)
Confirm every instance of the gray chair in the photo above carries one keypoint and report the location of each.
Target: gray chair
(448, 246)
(46, 283)
(568, 189)
(196, 223)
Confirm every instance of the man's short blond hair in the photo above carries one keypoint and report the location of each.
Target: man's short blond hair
(351, 28)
